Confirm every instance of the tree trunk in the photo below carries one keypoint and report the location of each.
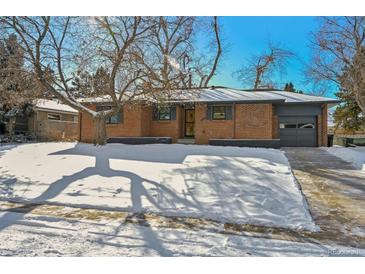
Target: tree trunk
(257, 81)
(99, 130)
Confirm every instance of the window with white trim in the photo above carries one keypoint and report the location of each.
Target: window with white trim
(54, 117)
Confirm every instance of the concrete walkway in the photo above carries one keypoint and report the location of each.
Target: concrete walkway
(335, 192)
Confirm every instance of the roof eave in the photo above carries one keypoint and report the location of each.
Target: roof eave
(55, 110)
(227, 101)
(335, 102)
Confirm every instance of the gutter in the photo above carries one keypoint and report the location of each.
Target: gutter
(54, 110)
(269, 101)
(314, 102)
(229, 101)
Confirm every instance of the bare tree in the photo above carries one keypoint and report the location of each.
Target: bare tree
(206, 70)
(353, 79)
(120, 58)
(52, 45)
(172, 61)
(260, 70)
(337, 53)
(168, 56)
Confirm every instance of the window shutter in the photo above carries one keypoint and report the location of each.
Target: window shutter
(229, 113)
(173, 112)
(155, 113)
(209, 112)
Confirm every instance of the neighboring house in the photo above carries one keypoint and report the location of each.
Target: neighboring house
(53, 121)
(223, 116)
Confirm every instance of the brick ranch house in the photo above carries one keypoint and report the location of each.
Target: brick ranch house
(222, 116)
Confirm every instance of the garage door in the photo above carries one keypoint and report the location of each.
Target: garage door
(298, 131)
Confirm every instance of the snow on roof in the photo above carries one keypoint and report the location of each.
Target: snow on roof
(235, 95)
(223, 94)
(293, 97)
(99, 99)
(54, 105)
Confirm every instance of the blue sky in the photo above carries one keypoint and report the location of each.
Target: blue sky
(245, 36)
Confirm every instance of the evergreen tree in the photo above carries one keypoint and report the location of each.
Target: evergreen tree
(348, 115)
(18, 86)
(91, 85)
(290, 87)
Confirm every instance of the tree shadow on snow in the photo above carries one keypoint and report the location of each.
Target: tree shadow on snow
(138, 185)
(138, 190)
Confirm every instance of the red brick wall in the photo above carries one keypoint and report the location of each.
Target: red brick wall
(209, 129)
(137, 121)
(275, 124)
(86, 127)
(171, 128)
(130, 127)
(253, 121)
(146, 119)
(322, 127)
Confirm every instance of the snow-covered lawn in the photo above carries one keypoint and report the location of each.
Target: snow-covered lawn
(32, 235)
(353, 155)
(240, 185)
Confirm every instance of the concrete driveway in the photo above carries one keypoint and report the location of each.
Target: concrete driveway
(335, 192)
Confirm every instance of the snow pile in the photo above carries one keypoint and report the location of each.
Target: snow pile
(353, 155)
(30, 235)
(55, 105)
(227, 184)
